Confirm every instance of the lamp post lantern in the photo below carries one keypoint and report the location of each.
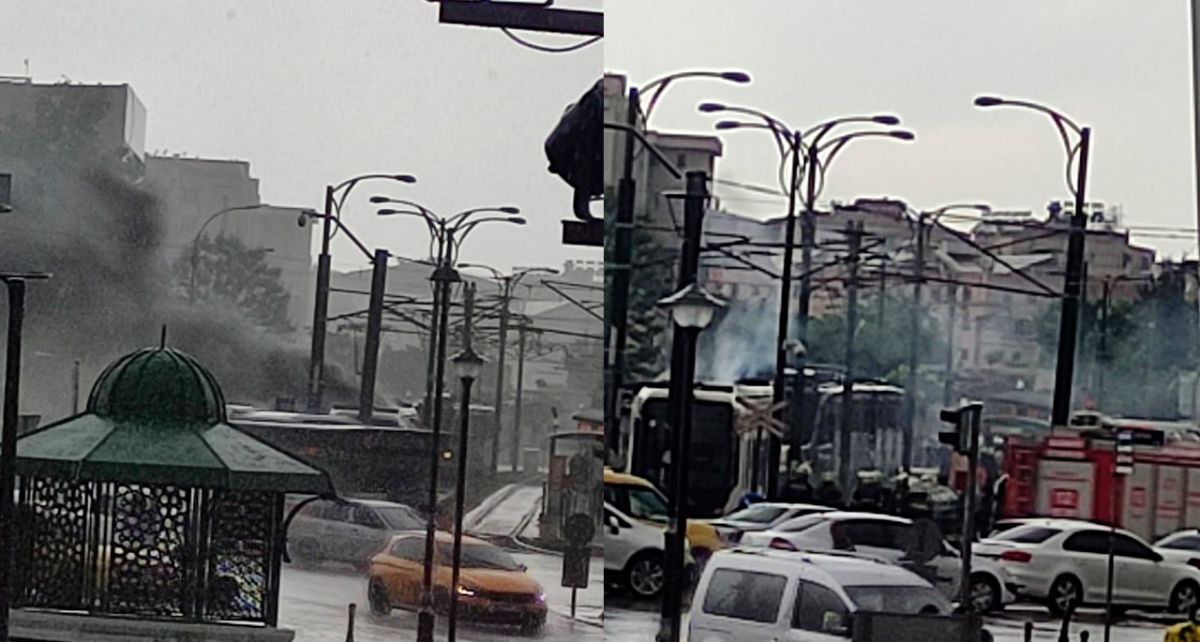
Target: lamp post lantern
(692, 310)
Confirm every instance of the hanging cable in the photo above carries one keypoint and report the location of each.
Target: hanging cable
(549, 49)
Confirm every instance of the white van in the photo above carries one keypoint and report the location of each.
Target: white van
(757, 594)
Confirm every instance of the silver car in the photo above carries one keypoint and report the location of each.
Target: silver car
(351, 532)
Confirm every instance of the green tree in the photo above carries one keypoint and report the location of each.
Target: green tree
(226, 272)
(652, 277)
(881, 340)
(1148, 343)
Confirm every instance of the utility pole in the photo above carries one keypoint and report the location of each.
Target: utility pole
(779, 389)
(680, 419)
(366, 396)
(522, 331)
(616, 328)
(1103, 356)
(427, 406)
(948, 389)
(316, 362)
(1068, 329)
(505, 301)
(854, 233)
(914, 346)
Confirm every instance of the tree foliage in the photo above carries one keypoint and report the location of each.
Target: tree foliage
(223, 271)
(1132, 369)
(881, 342)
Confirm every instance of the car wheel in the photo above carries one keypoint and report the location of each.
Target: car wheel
(1185, 597)
(533, 626)
(645, 575)
(377, 597)
(985, 594)
(1065, 594)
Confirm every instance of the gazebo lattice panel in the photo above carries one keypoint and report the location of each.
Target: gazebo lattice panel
(239, 560)
(149, 550)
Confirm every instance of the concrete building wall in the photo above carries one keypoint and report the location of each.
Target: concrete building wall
(192, 190)
(122, 124)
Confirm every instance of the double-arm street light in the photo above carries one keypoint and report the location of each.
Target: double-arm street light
(811, 155)
(446, 237)
(335, 198)
(616, 300)
(923, 220)
(1076, 142)
(507, 283)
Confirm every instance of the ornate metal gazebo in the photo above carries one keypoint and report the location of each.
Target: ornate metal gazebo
(150, 505)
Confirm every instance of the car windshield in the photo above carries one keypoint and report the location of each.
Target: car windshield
(899, 599)
(1027, 534)
(482, 556)
(797, 524)
(400, 518)
(1180, 541)
(757, 514)
(646, 503)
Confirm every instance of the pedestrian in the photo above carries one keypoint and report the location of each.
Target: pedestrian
(799, 489)
(749, 499)
(828, 492)
(868, 494)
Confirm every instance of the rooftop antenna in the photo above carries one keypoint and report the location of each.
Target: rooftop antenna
(27, 76)
(162, 338)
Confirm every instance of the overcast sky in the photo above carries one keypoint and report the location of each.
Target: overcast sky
(1124, 68)
(313, 92)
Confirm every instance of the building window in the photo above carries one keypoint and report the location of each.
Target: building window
(962, 355)
(681, 162)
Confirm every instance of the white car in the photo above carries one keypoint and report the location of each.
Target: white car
(350, 531)
(1064, 563)
(633, 554)
(760, 517)
(752, 595)
(918, 547)
(1181, 546)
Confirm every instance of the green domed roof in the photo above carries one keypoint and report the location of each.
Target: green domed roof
(158, 384)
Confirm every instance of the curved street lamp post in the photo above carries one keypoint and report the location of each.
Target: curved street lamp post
(335, 198)
(1068, 328)
(616, 301)
(817, 157)
(446, 235)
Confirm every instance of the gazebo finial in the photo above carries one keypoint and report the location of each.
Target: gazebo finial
(162, 337)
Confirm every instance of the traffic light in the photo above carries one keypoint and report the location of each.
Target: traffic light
(575, 149)
(965, 421)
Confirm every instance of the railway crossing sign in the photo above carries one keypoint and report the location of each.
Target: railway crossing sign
(761, 417)
(1124, 449)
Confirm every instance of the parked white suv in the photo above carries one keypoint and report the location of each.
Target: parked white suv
(751, 595)
(633, 554)
(918, 547)
(1064, 563)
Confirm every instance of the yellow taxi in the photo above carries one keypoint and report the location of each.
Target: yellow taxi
(492, 586)
(639, 499)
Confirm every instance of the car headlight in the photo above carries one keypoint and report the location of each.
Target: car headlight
(466, 592)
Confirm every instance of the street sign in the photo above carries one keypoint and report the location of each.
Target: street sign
(761, 418)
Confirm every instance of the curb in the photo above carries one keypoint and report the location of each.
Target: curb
(590, 621)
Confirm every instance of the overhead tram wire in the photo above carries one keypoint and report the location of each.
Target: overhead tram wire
(587, 42)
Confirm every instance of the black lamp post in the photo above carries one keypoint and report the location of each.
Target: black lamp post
(335, 198)
(447, 235)
(810, 158)
(1068, 327)
(616, 299)
(692, 310)
(467, 364)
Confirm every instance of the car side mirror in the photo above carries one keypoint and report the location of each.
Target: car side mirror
(523, 568)
(835, 623)
(613, 526)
